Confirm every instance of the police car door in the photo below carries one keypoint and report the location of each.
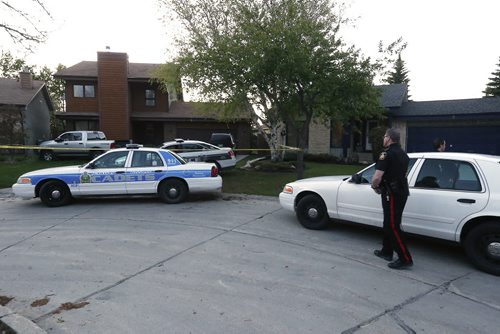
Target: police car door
(357, 202)
(442, 194)
(145, 169)
(105, 175)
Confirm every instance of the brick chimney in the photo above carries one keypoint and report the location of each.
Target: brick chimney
(26, 79)
(112, 88)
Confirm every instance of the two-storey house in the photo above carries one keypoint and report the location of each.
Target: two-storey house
(120, 99)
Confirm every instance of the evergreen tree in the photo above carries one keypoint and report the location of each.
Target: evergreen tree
(493, 87)
(399, 73)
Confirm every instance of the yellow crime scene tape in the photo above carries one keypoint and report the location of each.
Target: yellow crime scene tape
(22, 147)
(39, 148)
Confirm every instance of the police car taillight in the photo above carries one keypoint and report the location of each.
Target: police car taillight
(113, 145)
(214, 172)
(230, 153)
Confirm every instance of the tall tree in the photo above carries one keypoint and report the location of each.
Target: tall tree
(22, 22)
(282, 60)
(493, 87)
(10, 66)
(56, 88)
(388, 56)
(399, 73)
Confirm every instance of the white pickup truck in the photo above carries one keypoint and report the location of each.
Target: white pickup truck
(76, 143)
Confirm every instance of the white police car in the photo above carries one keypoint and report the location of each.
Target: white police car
(128, 171)
(195, 150)
(453, 196)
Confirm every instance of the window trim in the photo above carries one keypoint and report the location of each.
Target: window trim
(150, 99)
(84, 91)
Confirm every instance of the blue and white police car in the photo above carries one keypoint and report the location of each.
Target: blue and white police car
(133, 170)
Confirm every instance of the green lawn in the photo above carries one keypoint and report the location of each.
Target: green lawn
(271, 183)
(234, 181)
(11, 169)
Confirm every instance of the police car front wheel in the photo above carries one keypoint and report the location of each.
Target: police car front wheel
(173, 191)
(311, 212)
(55, 193)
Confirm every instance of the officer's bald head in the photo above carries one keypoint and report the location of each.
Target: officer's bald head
(393, 134)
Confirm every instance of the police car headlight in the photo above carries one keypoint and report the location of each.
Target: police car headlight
(24, 180)
(288, 189)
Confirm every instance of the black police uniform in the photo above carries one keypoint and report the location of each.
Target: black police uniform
(394, 190)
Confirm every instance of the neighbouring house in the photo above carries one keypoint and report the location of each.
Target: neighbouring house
(468, 125)
(120, 99)
(25, 108)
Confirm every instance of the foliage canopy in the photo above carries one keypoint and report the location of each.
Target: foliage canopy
(282, 59)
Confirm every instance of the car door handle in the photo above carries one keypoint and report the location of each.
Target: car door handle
(120, 172)
(466, 200)
(158, 171)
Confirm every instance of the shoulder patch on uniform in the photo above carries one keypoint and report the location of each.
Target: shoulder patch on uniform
(382, 156)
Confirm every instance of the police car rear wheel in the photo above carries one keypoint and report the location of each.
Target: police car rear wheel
(482, 245)
(311, 212)
(54, 193)
(173, 191)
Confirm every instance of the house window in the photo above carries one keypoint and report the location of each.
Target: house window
(150, 98)
(83, 91)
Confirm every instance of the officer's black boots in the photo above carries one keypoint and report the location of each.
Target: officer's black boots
(398, 264)
(381, 255)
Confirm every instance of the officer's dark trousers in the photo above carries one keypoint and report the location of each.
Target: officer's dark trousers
(394, 240)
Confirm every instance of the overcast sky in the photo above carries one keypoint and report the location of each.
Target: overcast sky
(453, 46)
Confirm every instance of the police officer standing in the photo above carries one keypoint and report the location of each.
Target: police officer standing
(390, 182)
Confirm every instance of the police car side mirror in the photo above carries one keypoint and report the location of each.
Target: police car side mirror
(90, 165)
(58, 140)
(356, 178)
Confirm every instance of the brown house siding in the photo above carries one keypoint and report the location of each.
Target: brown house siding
(138, 98)
(114, 117)
(80, 104)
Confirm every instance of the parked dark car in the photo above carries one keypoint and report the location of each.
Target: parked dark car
(222, 140)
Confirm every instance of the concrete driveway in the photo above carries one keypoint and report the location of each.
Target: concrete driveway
(230, 264)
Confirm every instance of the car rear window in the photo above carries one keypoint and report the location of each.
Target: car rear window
(448, 174)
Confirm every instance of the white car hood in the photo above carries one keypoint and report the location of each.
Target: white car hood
(320, 179)
(55, 170)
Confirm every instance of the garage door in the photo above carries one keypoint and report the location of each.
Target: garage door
(476, 139)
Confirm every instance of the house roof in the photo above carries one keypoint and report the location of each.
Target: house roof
(11, 92)
(88, 69)
(464, 107)
(393, 95)
(184, 110)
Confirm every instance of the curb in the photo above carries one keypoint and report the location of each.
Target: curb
(13, 323)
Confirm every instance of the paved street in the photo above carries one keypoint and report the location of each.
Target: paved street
(229, 264)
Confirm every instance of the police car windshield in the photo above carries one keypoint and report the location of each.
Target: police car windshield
(182, 161)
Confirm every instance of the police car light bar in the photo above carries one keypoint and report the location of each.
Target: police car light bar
(133, 146)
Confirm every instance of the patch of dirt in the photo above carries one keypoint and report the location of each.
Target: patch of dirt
(4, 300)
(40, 302)
(70, 306)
